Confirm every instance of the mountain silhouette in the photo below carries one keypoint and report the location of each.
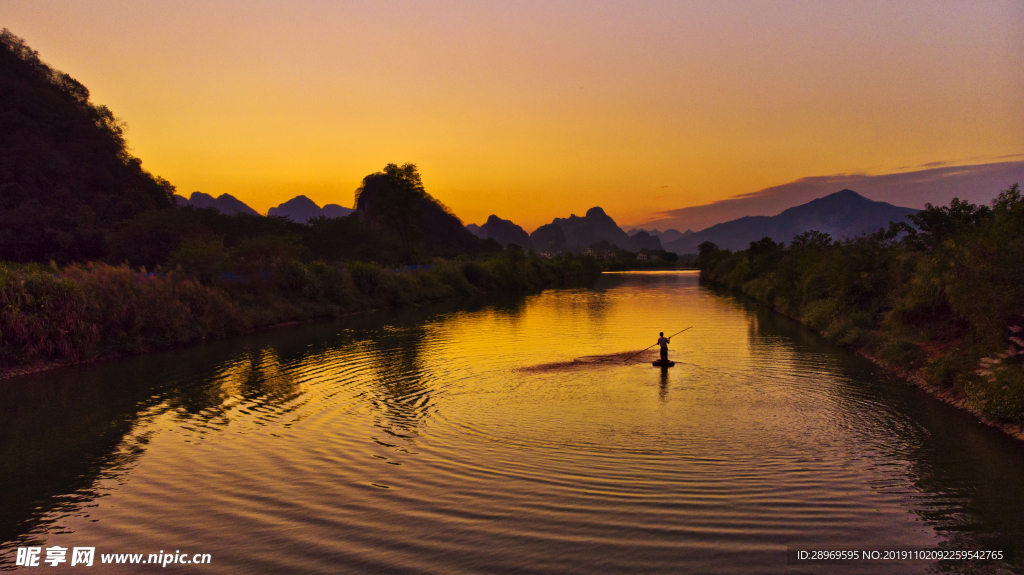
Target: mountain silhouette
(394, 202)
(576, 234)
(224, 203)
(504, 232)
(843, 214)
(669, 235)
(67, 176)
(302, 209)
(549, 237)
(335, 211)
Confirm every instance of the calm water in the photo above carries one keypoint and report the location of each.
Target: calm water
(428, 441)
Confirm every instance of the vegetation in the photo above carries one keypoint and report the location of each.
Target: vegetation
(102, 261)
(66, 177)
(71, 192)
(616, 259)
(84, 311)
(942, 295)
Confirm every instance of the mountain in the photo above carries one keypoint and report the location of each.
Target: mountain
(503, 231)
(394, 203)
(669, 235)
(224, 203)
(548, 237)
(842, 214)
(302, 209)
(576, 234)
(67, 176)
(335, 211)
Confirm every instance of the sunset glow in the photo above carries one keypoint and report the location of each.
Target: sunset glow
(540, 109)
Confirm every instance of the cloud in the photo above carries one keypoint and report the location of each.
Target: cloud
(975, 159)
(978, 183)
(928, 165)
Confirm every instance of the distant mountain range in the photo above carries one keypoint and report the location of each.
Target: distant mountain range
(299, 209)
(576, 234)
(503, 231)
(669, 235)
(302, 209)
(224, 203)
(843, 214)
(573, 234)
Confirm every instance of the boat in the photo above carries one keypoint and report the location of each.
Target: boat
(666, 363)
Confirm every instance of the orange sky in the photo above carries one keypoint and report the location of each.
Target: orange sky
(533, 110)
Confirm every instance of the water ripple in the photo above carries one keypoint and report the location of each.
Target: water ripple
(515, 437)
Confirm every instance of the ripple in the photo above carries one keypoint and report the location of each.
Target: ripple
(517, 438)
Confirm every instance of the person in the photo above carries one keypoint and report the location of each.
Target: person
(663, 342)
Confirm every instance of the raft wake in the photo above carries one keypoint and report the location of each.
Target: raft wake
(589, 361)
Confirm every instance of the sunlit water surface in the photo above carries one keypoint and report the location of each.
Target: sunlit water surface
(428, 441)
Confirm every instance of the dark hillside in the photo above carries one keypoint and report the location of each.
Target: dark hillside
(576, 234)
(65, 172)
(505, 232)
(395, 203)
(549, 237)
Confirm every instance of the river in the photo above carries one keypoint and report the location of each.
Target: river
(463, 438)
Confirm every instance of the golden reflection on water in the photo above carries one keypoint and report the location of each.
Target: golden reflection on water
(488, 438)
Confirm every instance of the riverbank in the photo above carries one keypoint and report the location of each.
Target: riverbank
(946, 395)
(919, 377)
(51, 317)
(941, 302)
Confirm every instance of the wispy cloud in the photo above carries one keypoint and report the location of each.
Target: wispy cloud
(971, 160)
(937, 184)
(928, 165)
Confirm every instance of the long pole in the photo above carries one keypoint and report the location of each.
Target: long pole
(654, 344)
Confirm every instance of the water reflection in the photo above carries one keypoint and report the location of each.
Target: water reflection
(958, 473)
(63, 433)
(429, 440)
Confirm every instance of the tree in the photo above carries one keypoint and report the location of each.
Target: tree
(391, 199)
(937, 224)
(66, 174)
(811, 240)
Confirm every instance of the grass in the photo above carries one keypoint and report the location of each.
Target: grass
(81, 312)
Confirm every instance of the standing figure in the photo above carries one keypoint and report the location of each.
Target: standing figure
(663, 342)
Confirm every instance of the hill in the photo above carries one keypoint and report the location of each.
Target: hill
(842, 214)
(669, 235)
(224, 203)
(505, 232)
(302, 209)
(576, 234)
(66, 176)
(394, 203)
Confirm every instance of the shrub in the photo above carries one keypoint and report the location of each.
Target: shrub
(206, 260)
(366, 277)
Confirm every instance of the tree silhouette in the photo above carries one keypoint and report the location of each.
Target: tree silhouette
(392, 199)
(66, 176)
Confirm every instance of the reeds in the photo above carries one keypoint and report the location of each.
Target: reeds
(85, 311)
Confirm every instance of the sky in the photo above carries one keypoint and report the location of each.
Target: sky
(535, 110)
